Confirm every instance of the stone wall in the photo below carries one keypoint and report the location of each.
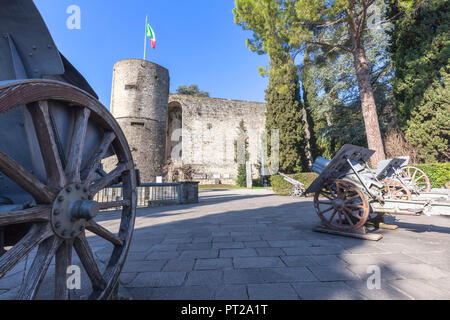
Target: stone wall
(139, 101)
(151, 120)
(210, 128)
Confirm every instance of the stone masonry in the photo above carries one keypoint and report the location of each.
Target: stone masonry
(185, 130)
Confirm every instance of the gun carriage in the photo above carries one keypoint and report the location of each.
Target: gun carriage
(54, 135)
(349, 195)
(298, 188)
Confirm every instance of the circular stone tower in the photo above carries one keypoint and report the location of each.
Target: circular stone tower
(139, 99)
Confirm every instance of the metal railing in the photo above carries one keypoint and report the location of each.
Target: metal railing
(148, 194)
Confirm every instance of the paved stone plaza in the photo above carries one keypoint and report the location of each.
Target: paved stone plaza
(241, 244)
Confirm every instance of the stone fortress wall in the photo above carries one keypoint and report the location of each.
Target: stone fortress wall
(210, 129)
(185, 130)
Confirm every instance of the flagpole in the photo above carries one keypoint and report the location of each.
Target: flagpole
(145, 38)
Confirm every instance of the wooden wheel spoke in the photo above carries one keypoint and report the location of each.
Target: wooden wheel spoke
(338, 190)
(38, 270)
(63, 259)
(333, 215)
(87, 259)
(353, 214)
(109, 179)
(418, 179)
(347, 217)
(359, 206)
(352, 198)
(33, 238)
(40, 192)
(329, 196)
(75, 154)
(40, 213)
(325, 211)
(102, 232)
(325, 202)
(339, 217)
(39, 111)
(94, 164)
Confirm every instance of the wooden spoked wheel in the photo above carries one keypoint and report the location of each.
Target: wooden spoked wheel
(418, 179)
(341, 206)
(396, 191)
(63, 209)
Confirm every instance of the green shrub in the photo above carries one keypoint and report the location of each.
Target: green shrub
(241, 180)
(439, 173)
(282, 187)
(258, 183)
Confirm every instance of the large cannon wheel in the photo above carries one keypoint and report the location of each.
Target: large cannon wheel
(63, 208)
(341, 206)
(417, 177)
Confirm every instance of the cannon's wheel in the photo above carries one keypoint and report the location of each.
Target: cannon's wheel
(65, 209)
(297, 191)
(395, 190)
(341, 206)
(418, 178)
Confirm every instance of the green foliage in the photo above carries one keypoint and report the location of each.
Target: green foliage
(192, 90)
(242, 135)
(282, 187)
(438, 173)
(241, 180)
(283, 27)
(284, 112)
(274, 33)
(257, 183)
(420, 51)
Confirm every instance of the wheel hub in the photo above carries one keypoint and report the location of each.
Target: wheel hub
(339, 204)
(72, 209)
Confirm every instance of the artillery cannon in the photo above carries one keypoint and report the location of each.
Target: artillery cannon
(298, 189)
(54, 135)
(349, 195)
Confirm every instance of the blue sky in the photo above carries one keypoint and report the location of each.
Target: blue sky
(197, 41)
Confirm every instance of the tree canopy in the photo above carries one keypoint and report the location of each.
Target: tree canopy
(192, 90)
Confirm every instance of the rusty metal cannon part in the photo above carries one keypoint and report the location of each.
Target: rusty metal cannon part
(59, 207)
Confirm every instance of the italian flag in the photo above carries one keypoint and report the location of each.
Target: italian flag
(151, 34)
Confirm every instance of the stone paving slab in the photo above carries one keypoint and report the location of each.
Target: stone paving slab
(250, 244)
(272, 292)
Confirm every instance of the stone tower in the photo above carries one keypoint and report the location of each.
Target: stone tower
(139, 99)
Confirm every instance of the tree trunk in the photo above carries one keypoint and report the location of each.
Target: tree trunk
(308, 148)
(369, 109)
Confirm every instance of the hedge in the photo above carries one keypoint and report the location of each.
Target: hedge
(282, 187)
(439, 173)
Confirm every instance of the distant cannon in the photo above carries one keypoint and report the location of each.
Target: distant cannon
(349, 195)
(54, 135)
(298, 189)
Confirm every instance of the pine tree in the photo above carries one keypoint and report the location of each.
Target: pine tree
(420, 51)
